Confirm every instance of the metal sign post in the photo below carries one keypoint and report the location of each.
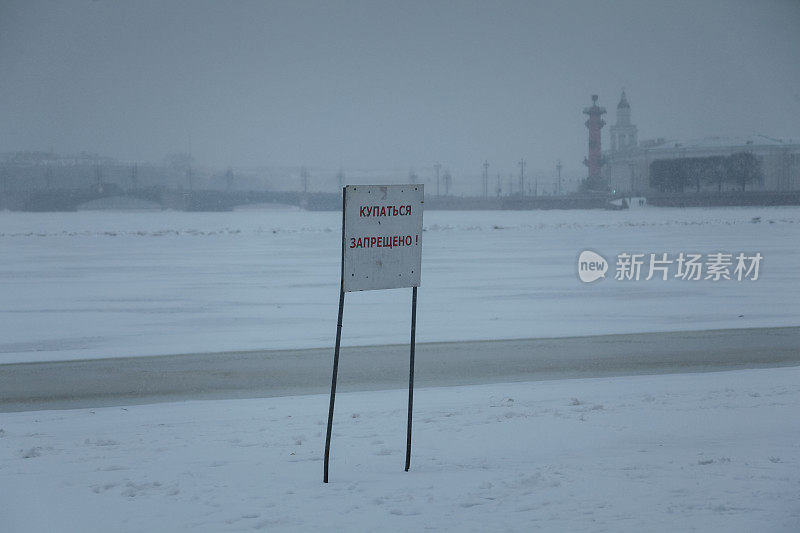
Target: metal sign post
(336, 349)
(381, 249)
(411, 374)
(333, 385)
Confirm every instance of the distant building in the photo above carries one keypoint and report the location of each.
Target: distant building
(627, 163)
(624, 135)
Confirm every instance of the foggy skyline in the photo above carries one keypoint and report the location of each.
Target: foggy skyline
(382, 85)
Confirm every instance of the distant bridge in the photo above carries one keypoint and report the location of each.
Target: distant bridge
(219, 200)
(181, 200)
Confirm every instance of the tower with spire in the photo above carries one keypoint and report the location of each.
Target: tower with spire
(623, 133)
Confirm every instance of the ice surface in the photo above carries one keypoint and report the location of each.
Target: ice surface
(714, 452)
(707, 452)
(103, 284)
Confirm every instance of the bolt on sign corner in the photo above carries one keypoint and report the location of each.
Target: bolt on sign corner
(382, 246)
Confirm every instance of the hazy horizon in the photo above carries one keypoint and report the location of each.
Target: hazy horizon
(388, 85)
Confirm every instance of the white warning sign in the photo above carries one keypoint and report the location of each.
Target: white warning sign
(382, 236)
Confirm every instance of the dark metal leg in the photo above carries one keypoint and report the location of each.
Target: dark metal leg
(411, 375)
(333, 384)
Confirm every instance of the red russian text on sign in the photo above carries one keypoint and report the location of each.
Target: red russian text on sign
(384, 211)
(383, 236)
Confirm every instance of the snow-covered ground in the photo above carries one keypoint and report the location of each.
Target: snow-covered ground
(694, 452)
(713, 452)
(106, 284)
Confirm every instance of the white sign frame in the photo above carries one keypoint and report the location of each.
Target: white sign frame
(382, 236)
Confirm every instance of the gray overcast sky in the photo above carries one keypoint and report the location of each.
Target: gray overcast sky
(388, 85)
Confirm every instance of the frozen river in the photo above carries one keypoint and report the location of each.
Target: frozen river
(105, 284)
(250, 299)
